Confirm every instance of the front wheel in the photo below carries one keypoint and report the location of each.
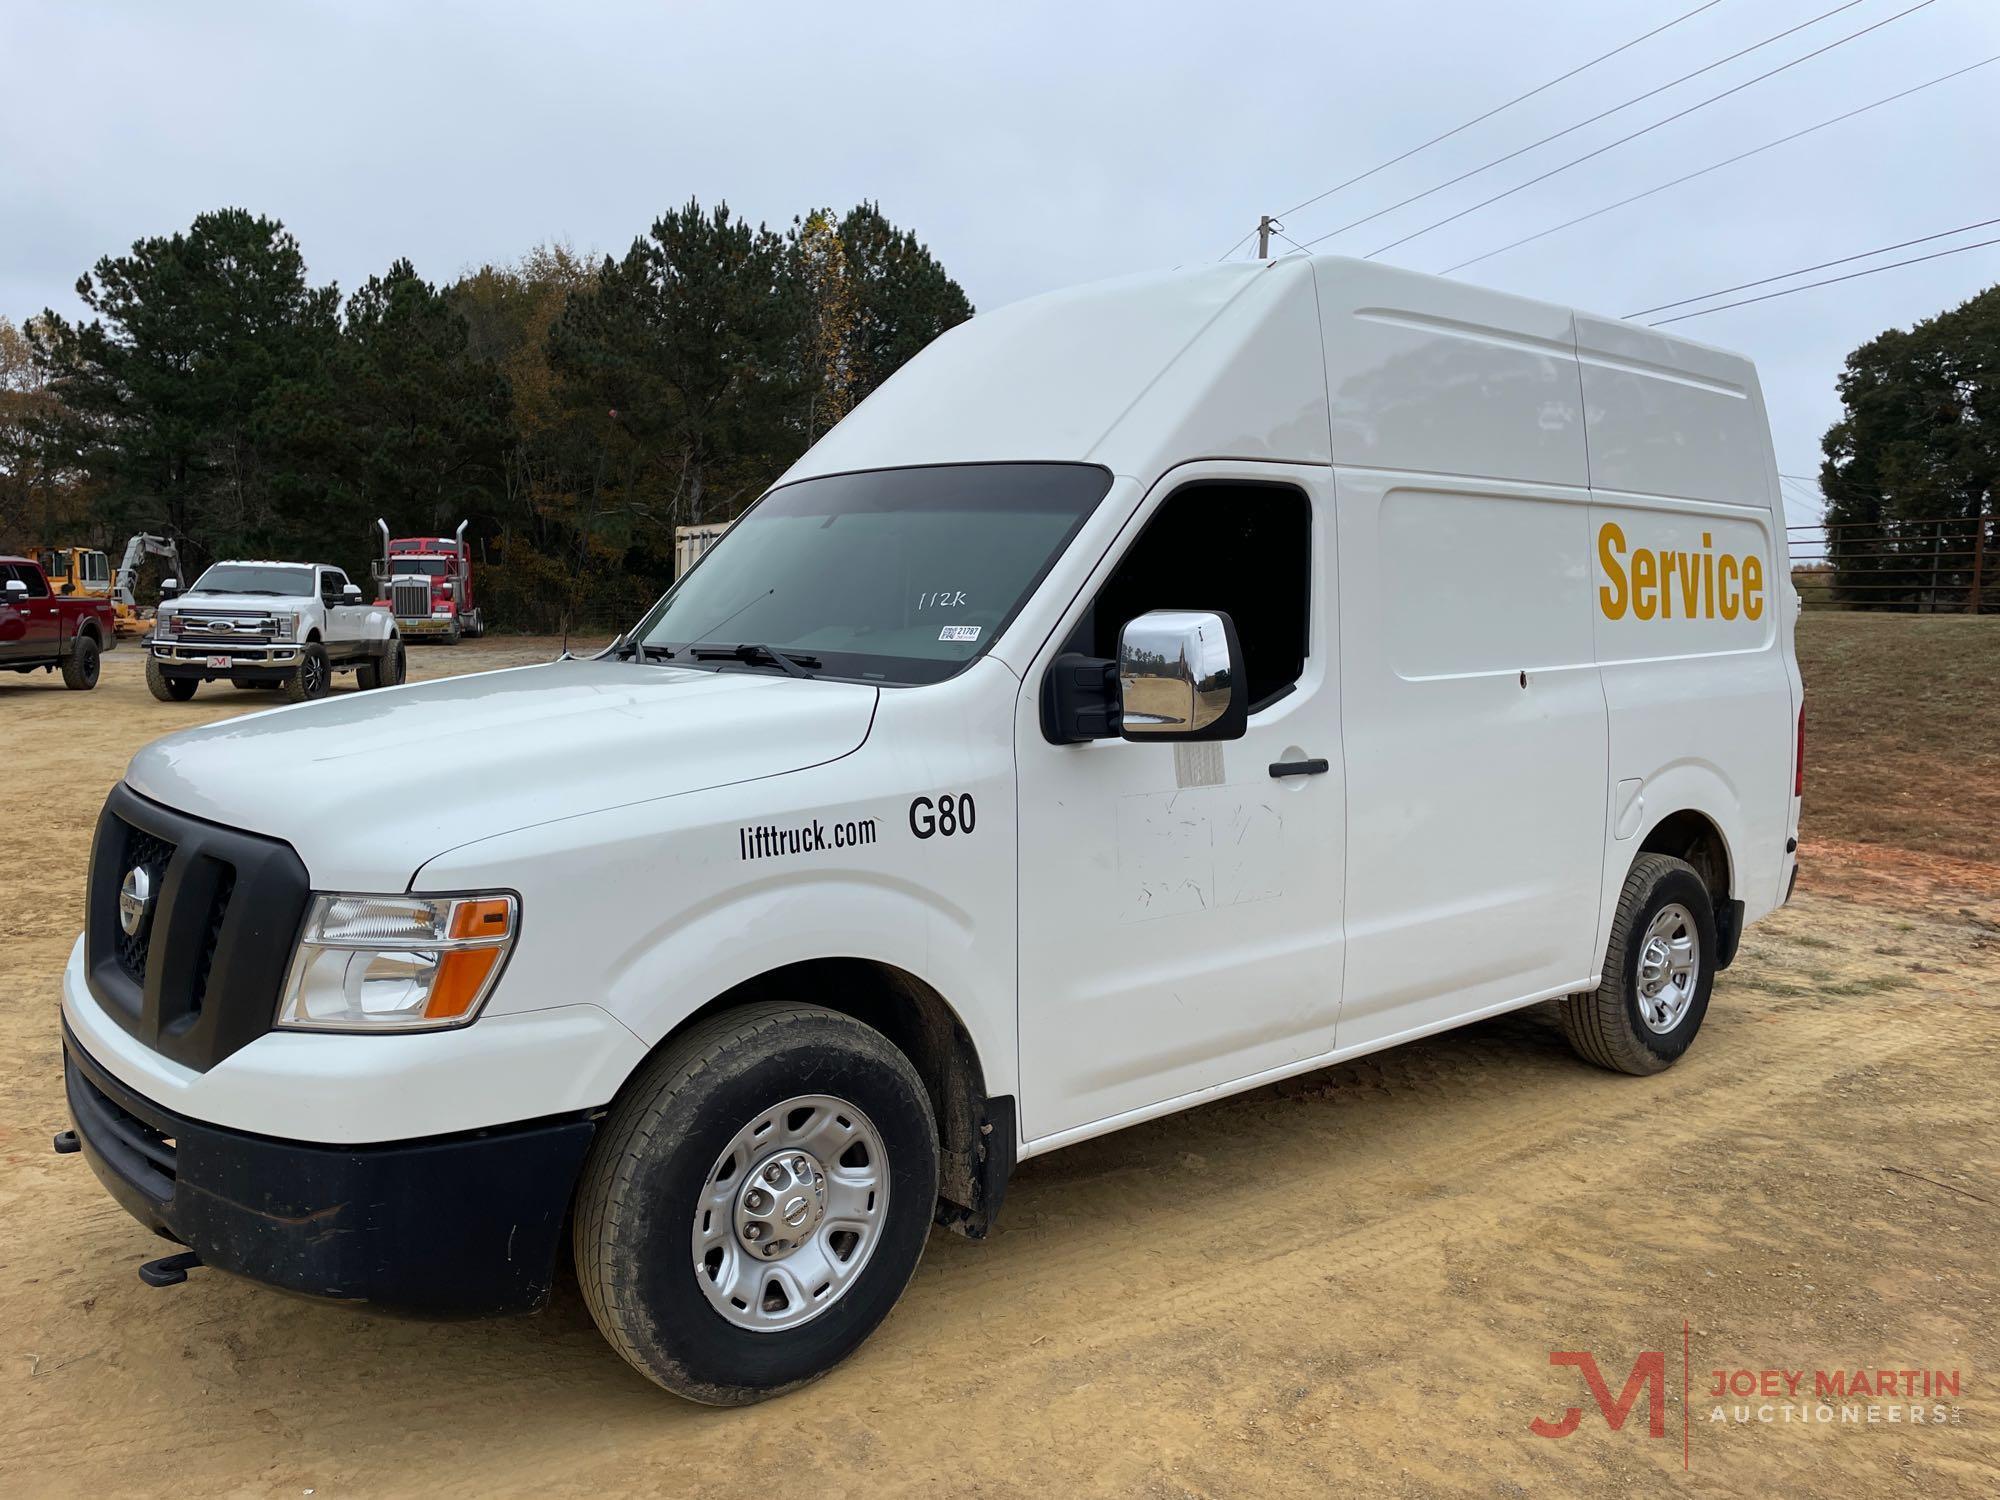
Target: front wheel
(311, 678)
(80, 667)
(757, 1202)
(168, 689)
(1658, 971)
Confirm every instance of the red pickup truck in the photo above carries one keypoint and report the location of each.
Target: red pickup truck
(40, 628)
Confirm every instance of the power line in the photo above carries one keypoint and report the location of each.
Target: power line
(1501, 108)
(1829, 281)
(1714, 166)
(1287, 238)
(1649, 129)
(1237, 246)
(1580, 124)
(1802, 270)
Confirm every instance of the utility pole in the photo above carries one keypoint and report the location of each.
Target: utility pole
(1265, 223)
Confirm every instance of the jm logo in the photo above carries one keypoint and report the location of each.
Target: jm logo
(1649, 1374)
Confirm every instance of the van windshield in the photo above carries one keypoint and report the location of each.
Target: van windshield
(893, 575)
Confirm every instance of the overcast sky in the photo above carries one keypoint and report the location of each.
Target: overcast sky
(1031, 146)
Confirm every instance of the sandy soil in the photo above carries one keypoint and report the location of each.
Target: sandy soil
(1349, 1283)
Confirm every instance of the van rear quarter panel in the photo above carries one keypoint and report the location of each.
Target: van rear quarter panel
(1695, 659)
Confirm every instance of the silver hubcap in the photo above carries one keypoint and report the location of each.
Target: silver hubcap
(791, 1211)
(1669, 968)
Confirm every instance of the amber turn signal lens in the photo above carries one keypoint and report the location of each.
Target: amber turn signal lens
(460, 977)
(480, 919)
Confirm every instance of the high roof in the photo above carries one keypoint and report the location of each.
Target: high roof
(1314, 360)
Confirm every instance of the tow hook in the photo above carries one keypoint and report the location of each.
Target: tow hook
(169, 1270)
(66, 1143)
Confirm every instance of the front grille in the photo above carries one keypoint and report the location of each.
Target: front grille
(224, 889)
(226, 626)
(143, 1156)
(412, 600)
(142, 850)
(201, 976)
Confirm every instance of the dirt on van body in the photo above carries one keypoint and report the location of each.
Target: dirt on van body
(1354, 1282)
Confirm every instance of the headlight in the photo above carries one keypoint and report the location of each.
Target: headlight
(175, 624)
(397, 963)
(284, 625)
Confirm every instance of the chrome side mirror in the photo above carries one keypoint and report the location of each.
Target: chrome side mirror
(351, 594)
(1180, 677)
(16, 589)
(169, 587)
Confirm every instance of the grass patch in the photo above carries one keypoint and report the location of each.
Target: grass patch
(1903, 731)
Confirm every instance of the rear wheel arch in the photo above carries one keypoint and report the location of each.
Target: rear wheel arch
(976, 1135)
(1697, 839)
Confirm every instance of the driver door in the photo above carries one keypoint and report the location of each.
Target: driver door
(346, 623)
(1181, 904)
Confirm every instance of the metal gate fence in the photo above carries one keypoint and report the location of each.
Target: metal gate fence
(1938, 566)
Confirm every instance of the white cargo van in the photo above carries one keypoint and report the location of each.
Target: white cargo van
(1155, 690)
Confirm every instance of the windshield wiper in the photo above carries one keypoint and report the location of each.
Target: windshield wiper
(627, 649)
(794, 665)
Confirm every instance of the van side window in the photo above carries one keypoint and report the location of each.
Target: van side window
(331, 582)
(32, 577)
(1243, 549)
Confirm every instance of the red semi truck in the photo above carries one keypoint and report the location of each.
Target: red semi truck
(55, 632)
(427, 582)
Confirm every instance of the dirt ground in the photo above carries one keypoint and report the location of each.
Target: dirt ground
(1349, 1283)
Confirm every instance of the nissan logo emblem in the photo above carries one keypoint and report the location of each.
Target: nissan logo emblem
(134, 896)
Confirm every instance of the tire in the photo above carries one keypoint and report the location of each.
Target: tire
(1645, 1015)
(386, 670)
(81, 666)
(451, 636)
(168, 689)
(685, 1128)
(311, 678)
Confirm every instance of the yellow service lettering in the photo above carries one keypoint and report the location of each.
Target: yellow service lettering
(1726, 597)
(1644, 580)
(1645, 576)
(1610, 546)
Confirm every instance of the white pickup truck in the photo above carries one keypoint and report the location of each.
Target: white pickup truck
(289, 626)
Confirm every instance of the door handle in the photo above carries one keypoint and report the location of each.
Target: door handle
(1298, 768)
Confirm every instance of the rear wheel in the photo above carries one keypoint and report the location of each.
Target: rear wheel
(80, 667)
(1658, 972)
(387, 670)
(168, 689)
(312, 677)
(757, 1202)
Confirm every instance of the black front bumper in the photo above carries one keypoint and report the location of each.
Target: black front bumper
(451, 1226)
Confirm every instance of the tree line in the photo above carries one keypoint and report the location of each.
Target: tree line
(1912, 466)
(575, 411)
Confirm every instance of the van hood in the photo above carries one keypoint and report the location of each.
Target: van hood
(367, 786)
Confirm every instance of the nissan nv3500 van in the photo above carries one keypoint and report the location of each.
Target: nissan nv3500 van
(1152, 691)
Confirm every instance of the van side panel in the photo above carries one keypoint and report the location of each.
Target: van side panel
(1690, 601)
(1431, 376)
(1472, 717)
